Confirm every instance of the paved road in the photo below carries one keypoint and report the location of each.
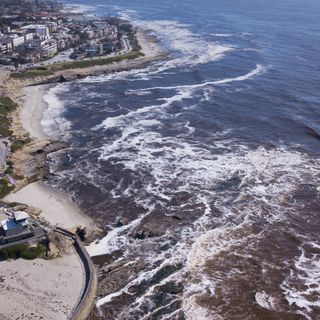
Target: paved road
(61, 57)
(126, 46)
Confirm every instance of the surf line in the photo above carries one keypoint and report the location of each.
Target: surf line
(258, 70)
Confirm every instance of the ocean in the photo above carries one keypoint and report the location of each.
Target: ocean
(203, 168)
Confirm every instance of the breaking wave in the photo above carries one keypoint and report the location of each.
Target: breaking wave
(54, 124)
(200, 222)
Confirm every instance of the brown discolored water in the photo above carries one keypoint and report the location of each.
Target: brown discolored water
(203, 169)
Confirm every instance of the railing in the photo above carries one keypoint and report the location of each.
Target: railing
(85, 303)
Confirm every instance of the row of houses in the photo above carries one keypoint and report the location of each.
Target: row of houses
(33, 37)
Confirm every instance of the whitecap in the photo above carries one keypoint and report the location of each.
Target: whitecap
(54, 124)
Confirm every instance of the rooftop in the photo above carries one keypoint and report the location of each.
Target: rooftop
(21, 215)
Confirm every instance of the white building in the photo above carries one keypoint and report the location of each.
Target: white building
(15, 225)
(5, 44)
(29, 36)
(49, 48)
(16, 40)
(41, 30)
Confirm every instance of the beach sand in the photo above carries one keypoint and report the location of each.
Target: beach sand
(57, 207)
(32, 111)
(40, 289)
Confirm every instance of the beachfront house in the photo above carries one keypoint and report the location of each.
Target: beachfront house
(15, 227)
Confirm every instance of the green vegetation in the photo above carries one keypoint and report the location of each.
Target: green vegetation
(23, 251)
(10, 172)
(17, 144)
(52, 68)
(5, 188)
(6, 106)
(94, 62)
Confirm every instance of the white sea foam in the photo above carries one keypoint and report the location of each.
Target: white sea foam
(109, 243)
(259, 69)
(142, 112)
(192, 48)
(266, 176)
(79, 8)
(266, 301)
(222, 35)
(54, 124)
(303, 284)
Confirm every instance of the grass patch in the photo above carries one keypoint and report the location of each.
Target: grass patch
(23, 251)
(94, 62)
(5, 188)
(52, 68)
(7, 105)
(32, 73)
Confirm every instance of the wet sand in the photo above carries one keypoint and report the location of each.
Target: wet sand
(32, 111)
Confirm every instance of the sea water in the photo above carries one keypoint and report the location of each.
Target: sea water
(203, 168)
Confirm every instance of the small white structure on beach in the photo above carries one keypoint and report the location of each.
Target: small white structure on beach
(15, 225)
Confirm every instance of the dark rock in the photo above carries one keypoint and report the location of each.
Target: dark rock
(119, 224)
(62, 79)
(147, 233)
(176, 217)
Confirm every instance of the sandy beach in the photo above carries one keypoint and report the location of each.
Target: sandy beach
(57, 207)
(32, 110)
(40, 289)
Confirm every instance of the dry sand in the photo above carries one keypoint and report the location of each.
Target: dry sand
(40, 289)
(57, 208)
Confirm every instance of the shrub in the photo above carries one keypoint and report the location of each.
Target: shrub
(6, 106)
(51, 69)
(18, 144)
(5, 188)
(23, 251)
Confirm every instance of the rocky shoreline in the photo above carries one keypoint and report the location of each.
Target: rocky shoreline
(29, 161)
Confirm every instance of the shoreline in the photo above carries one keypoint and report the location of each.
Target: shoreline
(27, 122)
(55, 207)
(33, 108)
